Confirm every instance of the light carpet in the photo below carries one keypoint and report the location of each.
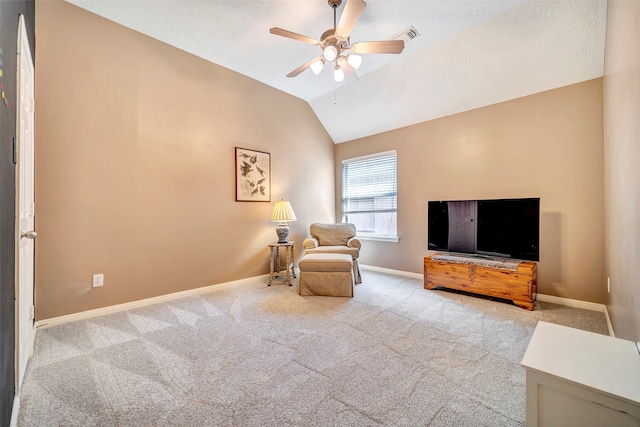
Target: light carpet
(253, 355)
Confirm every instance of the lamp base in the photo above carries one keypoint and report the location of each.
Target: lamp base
(282, 230)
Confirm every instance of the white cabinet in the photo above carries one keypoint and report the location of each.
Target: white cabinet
(579, 378)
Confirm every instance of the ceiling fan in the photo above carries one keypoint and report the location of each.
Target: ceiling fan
(336, 44)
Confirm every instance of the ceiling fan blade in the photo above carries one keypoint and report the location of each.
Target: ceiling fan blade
(350, 15)
(304, 67)
(387, 46)
(291, 35)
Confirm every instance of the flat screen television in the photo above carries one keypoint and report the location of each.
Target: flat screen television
(505, 228)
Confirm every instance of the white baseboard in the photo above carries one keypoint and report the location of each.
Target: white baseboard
(609, 325)
(14, 412)
(586, 305)
(571, 302)
(145, 302)
(390, 271)
(169, 297)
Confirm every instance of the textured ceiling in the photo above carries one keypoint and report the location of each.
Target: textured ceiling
(469, 53)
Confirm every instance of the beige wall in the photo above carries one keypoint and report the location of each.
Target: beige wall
(622, 174)
(547, 145)
(135, 166)
(135, 177)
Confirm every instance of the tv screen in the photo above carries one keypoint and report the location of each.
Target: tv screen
(506, 228)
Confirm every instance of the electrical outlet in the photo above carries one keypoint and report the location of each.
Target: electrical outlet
(98, 280)
(608, 285)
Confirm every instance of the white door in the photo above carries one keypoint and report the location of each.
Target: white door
(25, 207)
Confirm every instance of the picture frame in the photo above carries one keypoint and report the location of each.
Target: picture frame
(253, 175)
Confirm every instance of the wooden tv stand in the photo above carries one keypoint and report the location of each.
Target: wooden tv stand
(520, 285)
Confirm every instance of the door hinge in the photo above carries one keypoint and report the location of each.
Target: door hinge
(32, 105)
(32, 209)
(15, 152)
(32, 312)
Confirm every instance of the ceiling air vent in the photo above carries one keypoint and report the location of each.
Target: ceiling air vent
(406, 35)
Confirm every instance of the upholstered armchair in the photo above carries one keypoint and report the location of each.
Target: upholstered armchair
(337, 239)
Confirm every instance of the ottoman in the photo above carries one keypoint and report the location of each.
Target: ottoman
(326, 274)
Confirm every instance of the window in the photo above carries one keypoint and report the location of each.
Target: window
(369, 194)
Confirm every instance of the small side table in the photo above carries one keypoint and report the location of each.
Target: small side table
(581, 378)
(274, 261)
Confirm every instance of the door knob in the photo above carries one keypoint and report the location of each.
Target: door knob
(29, 235)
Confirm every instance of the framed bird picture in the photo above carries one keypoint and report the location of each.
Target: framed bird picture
(253, 176)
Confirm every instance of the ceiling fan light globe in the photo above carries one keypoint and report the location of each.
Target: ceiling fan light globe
(330, 53)
(338, 74)
(317, 66)
(355, 61)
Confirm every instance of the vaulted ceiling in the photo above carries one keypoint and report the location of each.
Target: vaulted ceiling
(469, 53)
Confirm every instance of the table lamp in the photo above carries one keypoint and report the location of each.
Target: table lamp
(282, 213)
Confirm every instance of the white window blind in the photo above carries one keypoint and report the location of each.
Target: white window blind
(369, 194)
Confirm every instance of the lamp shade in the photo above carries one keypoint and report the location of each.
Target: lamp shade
(282, 212)
(354, 60)
(317, 66)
